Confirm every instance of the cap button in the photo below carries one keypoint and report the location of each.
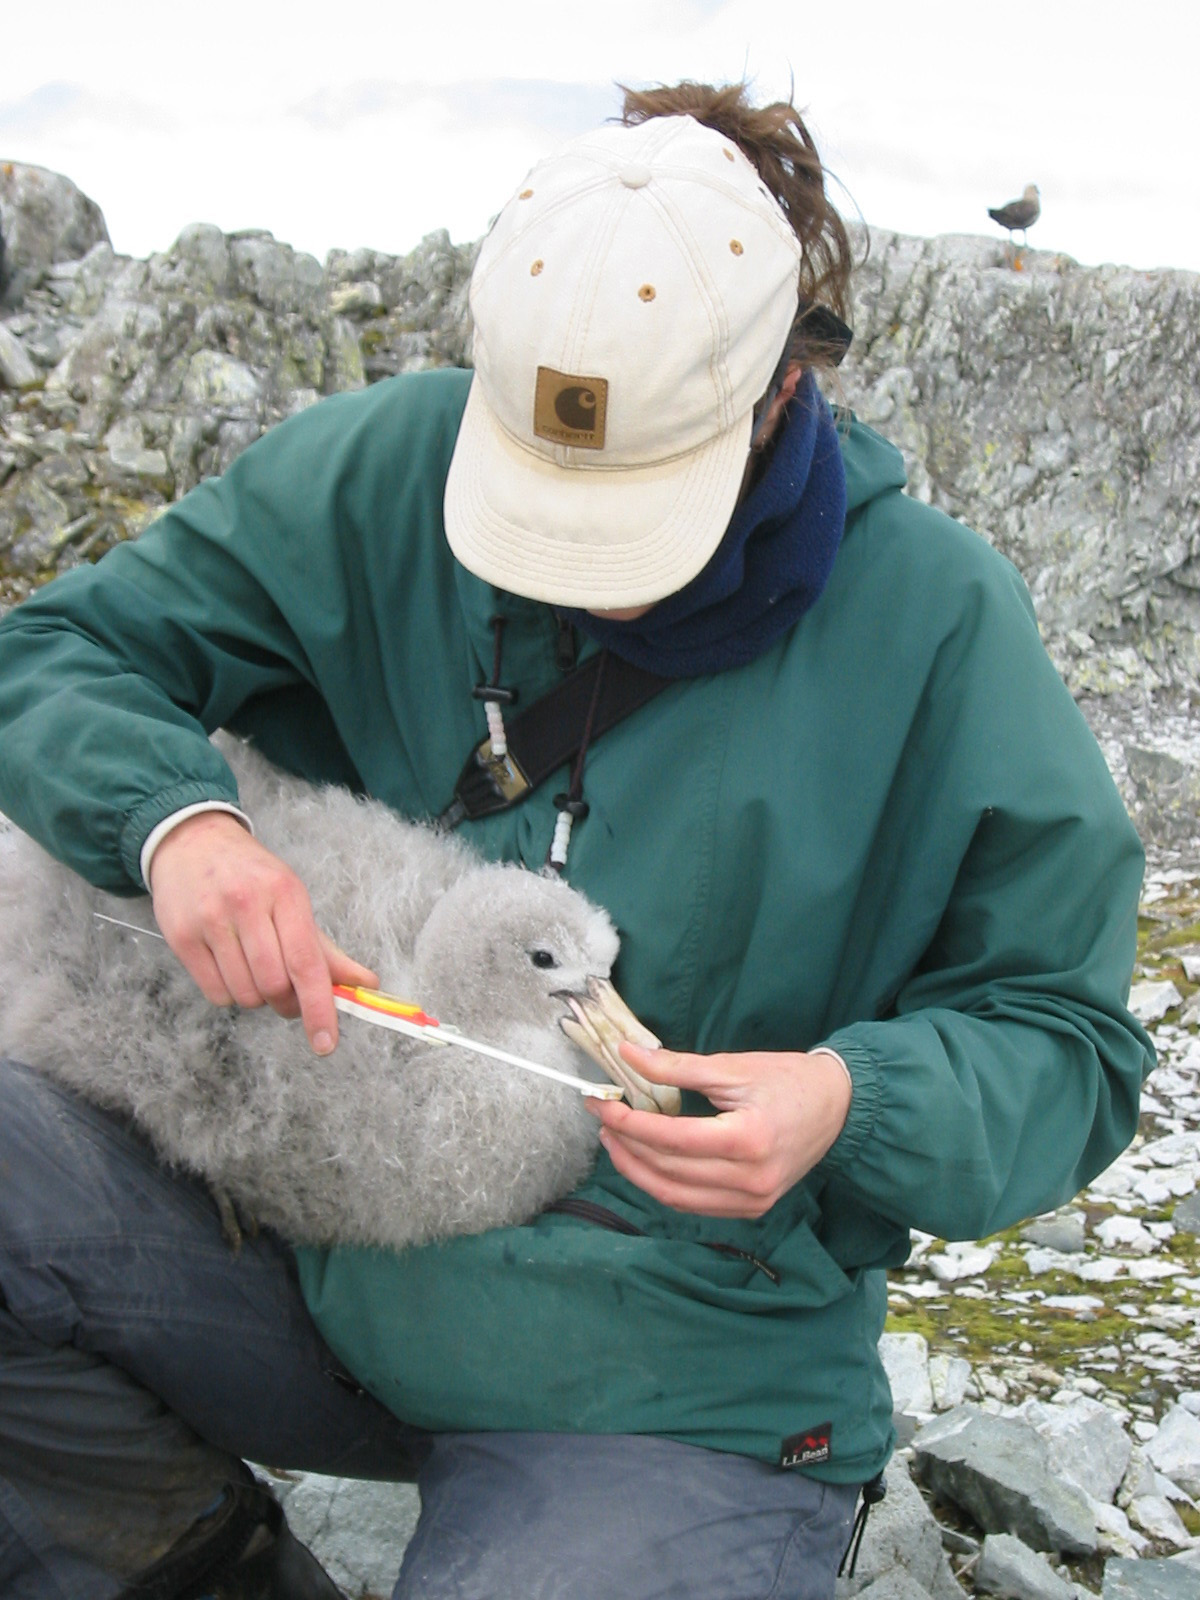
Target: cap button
(634, 176)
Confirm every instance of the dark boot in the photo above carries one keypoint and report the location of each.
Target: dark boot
(244, 1550)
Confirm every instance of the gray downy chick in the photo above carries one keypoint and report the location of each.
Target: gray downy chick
(388, 1141)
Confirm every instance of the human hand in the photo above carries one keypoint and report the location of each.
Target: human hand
(241, 922)
(778, 1114)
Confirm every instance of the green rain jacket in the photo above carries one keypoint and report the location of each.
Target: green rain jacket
(891, 833)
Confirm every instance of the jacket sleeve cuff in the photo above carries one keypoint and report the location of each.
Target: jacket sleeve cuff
(866, 1086)
(145, 818)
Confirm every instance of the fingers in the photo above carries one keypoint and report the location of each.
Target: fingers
(778, 1113)
(735, 1152)
(712, 1186)
(242, 924)
(271, 953)
(705, 1074)
(257, 951)
(721, 1166)
(343, 968)
(205, 973)
(309, 985)
(688, 1138)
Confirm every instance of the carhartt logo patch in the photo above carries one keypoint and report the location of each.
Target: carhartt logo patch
(807, 1448)
(570, 409)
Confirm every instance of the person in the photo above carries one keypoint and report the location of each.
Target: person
(876, 892)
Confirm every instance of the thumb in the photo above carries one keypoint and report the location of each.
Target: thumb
(665, 1066)
(708, 1075)
(343, 968)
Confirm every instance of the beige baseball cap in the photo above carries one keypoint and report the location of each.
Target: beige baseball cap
(631, 304)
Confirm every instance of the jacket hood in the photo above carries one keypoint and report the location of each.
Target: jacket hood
(873, 466)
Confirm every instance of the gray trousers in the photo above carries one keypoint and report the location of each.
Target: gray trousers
(140, 1360)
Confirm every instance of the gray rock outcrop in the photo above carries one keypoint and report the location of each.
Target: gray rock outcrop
(123, 382)
(1175, 1449)
(1013, 1571)
(1149, 1580)
(1001, 1474)
(1055, 410)
(358, 1530)
(44, 218)
(1086, 1444)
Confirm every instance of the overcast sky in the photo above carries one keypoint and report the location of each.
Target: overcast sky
(372, 124)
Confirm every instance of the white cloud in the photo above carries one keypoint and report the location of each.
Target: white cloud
(541, 104)
(377, 127)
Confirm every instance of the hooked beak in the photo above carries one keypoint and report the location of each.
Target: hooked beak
(600, 1021)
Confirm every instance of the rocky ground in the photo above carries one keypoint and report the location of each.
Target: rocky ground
(1093, 1312)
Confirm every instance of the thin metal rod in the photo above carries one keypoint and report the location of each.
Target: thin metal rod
(132, 926)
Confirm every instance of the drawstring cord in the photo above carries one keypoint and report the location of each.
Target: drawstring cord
(572, 807)
(494, 695)
(873, 1491)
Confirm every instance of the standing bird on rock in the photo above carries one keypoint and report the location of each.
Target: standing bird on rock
(1022, 213)
(391, 1140)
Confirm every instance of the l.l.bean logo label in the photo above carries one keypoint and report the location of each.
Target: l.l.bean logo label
(808, 1448)
(570, 409)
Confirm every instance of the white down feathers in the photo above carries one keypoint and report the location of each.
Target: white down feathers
(388, 1141)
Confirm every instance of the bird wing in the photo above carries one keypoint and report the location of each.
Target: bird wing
(1016, 214)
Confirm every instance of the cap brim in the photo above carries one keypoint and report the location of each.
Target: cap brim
(595, 538)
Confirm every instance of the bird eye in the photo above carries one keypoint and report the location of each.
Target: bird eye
(542, 958)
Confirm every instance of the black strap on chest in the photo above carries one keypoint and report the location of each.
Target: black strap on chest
(548, 734)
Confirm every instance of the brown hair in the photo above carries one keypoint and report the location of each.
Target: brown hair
(775, 139)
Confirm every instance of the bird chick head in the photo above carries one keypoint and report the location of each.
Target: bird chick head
(502, 946)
